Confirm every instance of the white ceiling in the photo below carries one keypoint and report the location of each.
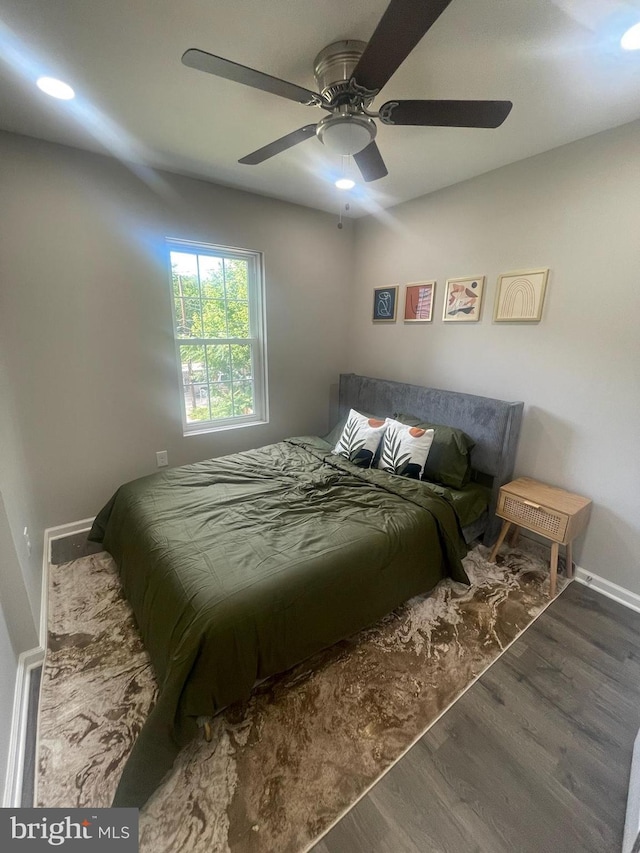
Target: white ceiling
(557, 60)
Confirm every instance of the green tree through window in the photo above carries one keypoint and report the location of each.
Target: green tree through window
(217, 296)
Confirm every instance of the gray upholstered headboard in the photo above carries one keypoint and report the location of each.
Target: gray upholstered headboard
(494, 425)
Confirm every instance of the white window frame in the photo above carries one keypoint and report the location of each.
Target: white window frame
(257, 334)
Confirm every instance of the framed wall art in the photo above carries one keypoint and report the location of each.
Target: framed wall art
(385, 304)
(418, 302)
(520, 296)
(463, 299)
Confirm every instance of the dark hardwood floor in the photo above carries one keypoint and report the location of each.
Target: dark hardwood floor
(535, 757)
(72, 547)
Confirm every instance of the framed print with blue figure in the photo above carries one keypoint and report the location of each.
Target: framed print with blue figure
(385, 304)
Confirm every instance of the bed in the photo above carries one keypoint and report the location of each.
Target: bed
(240, 567)
(494, 426)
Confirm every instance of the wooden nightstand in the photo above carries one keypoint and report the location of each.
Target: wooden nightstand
(553, 513)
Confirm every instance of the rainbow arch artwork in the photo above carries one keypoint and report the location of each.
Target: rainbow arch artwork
(520, 296)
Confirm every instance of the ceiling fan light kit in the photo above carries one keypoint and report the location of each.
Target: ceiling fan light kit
(55, 88)
(631, 39)
(349, 75)
(346, 133)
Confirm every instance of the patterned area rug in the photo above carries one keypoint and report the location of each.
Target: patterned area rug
(284, 766)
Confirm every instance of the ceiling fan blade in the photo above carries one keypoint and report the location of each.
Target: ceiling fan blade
(202, 61)
(445, 113)
(370, 163)
(279, 145)
(398, 32)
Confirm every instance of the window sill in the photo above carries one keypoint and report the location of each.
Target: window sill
(222, 427)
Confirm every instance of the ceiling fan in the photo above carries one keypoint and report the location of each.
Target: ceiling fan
(349, 75)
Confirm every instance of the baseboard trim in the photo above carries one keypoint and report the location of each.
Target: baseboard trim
(595, 582)
(63, 530)
(26, 662)
(15, 765)
(611, 590)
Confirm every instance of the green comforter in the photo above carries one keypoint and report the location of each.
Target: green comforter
(240, 567)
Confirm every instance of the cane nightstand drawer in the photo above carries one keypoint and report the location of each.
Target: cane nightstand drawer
(533, 516)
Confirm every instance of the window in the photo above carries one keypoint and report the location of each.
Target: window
(219, 330)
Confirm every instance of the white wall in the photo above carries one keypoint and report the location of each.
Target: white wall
(86, 317)
(575, 210)
(19, 573)
(8, 669)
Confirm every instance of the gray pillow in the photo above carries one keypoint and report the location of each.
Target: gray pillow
(448, 461)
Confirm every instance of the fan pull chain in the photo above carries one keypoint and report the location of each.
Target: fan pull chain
(346, 207)
(346, 164)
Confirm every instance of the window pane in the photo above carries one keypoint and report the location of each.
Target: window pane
(211, 277)
(241, 361)
(219, 363)
(235, 272)
(214, 317)
(243, 398)
(196, 402)
(238, 319)
(183, 263)
(188, 323)
(194, 367)
(221, 400)
(185, 286)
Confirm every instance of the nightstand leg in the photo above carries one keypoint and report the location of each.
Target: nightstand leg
(505, 529)
(569, 561)
(554, 568)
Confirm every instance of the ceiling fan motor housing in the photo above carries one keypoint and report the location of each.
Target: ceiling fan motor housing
(333, 68)
(346, 130)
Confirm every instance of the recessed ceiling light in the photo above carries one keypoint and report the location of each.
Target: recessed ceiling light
(345, 184)
(55, 88)
(631, 39)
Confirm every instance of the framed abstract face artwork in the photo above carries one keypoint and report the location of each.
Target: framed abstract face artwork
(463, 299)
(385, 304)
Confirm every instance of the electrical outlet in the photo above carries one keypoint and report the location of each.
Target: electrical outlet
(162, 458)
